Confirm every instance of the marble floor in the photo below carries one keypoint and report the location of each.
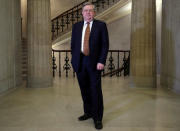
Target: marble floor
(57, 108)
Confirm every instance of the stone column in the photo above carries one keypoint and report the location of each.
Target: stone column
(143, 43)
(170, 64)
(10, 44)
(17, 41)
(39, 44)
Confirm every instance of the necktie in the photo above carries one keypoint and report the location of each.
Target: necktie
(86, 40)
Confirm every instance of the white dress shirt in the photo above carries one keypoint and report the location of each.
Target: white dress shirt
(83, 33)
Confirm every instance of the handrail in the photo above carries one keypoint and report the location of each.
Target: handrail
(69, 10)
(108, 50)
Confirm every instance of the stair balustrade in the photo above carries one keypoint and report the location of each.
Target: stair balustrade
(117, 63)
(63, 23)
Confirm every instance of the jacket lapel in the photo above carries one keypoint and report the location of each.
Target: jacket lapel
(93, 29)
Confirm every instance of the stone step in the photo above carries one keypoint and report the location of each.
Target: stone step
(24, 58)
(24, 54)
(24, 68)
(24, 72)
(24, 50)
(24, 62)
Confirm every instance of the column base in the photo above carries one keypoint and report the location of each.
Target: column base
(170, 83)
(40, 83)
(142, 82)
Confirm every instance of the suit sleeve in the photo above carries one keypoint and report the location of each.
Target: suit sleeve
(104, 44)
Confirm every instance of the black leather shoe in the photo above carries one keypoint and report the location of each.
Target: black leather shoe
(98, 125)
(84, 117)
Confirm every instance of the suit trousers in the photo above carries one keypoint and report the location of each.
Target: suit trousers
(90, 85)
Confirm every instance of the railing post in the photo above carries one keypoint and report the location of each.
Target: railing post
(108, 2)
(67, 20)
(111, 65)
(57, 26)
(52, 30)
(66, 65)
(72, 17)
(103, 1)
(124, 63)
(54, 64)
(59, 64)
(118, 64)
(62, 24)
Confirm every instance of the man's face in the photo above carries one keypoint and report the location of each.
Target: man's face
(88, 13)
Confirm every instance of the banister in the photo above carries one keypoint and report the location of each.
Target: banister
(63, 22)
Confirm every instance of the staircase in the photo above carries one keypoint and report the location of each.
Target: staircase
(24, 59)
(62, 24)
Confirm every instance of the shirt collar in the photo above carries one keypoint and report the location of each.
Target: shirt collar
(85, 22)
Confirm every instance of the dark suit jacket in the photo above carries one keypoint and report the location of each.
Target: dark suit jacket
(98, 44)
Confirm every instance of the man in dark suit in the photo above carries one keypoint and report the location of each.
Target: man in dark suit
(89, 45)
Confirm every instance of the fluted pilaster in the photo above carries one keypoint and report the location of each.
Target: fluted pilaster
(39, 44)
(143, 43)
(10, 44)
(170, 71)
